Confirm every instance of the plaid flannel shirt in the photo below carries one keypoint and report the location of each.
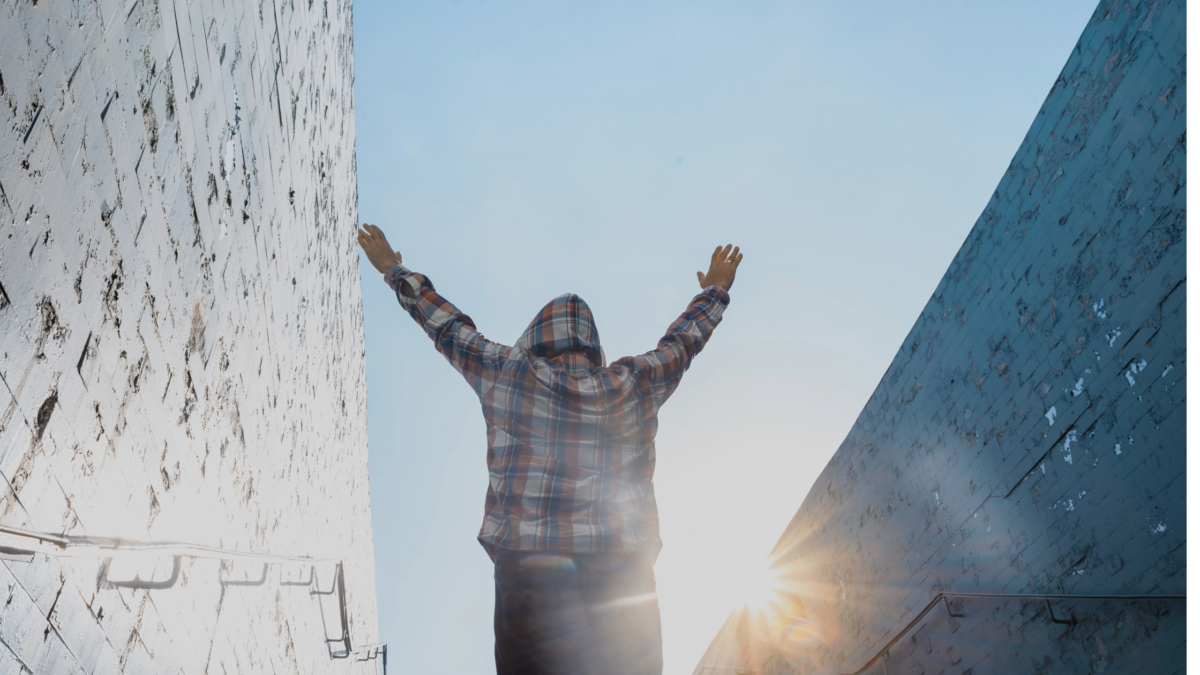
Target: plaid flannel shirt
(570, 441)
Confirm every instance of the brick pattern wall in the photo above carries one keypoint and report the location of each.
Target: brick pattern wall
(1029, 436)
(181, 350)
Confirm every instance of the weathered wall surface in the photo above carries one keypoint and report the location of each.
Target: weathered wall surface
(1029, 436)
(181, 348)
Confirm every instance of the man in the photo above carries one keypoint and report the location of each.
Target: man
(570, 518)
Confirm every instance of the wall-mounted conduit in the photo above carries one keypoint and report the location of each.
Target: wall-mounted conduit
(69, 546)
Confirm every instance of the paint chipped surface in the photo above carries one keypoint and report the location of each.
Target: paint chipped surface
(1134, 368)
(1051, 414)
(1071, 437)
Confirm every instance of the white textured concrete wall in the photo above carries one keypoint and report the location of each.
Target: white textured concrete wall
(181, 347)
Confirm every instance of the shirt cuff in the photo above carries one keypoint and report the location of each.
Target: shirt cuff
(402, 275)
(720, 294)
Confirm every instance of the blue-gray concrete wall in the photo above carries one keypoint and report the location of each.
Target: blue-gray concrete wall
(1029, 436)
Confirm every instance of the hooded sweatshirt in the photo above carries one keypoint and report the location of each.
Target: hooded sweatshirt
(570, 440)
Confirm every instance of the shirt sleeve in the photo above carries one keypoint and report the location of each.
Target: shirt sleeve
(664, 367)
(478, 359)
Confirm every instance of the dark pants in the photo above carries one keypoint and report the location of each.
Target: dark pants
(585, 614)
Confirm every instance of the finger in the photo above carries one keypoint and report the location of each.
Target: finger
(733, 256)
(725, 253)
(700, 278)
(716, 254)
(738, 261)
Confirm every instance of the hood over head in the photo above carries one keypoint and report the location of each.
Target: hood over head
(565, 324)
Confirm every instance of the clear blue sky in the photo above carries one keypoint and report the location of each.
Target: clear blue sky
(515, 151)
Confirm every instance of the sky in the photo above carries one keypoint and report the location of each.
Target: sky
(514, 151)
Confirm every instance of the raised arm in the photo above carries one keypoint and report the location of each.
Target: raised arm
(664, 367)
(453, 333)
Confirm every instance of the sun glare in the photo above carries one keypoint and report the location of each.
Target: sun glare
(758, 588)
(773, 602)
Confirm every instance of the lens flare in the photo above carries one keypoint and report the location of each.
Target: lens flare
(770, 625)
(758, 588)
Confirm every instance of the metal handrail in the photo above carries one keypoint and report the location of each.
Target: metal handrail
(107, 547)
(369, 652)
(945, 597)
(63, 545)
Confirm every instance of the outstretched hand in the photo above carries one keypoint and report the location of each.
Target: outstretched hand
(379, 252)
(722, 269)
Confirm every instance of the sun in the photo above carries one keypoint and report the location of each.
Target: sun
(757, 588)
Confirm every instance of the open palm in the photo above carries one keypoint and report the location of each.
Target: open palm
(379, 251)
(722, 268)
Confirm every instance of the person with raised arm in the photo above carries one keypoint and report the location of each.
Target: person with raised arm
(570, 519)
